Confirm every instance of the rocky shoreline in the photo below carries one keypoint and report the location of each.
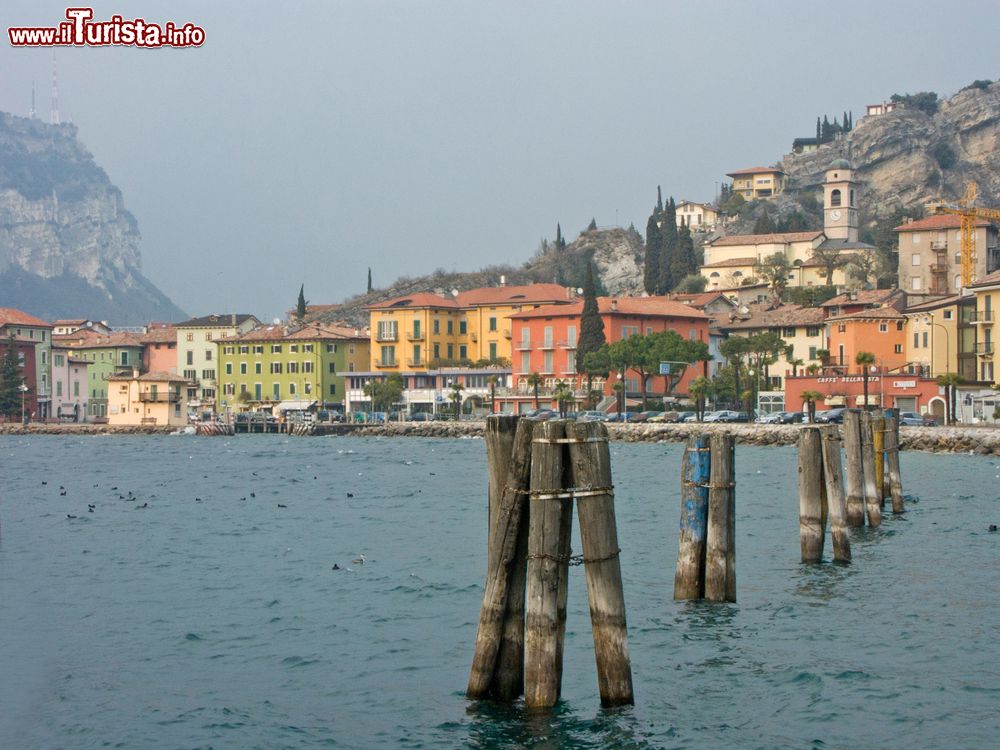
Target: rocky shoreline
(977, 440)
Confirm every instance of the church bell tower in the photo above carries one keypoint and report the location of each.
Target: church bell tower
(840, 207)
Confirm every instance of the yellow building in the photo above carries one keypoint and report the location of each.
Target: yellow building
(155, 398)
(987, 291)
(426, 331)
(757, 182)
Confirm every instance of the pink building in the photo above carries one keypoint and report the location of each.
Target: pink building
(159, 348)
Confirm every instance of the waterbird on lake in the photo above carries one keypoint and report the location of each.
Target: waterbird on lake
(144, 505)
(350, 494)
(359, 560)
(335, 567)
(70, 516)
(253, 494)
(282, 506)
(63, 492)
(993, 527)
(44, 482)
(242, 498)
(114, 489)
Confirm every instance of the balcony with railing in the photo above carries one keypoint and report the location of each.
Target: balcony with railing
(984, 347)
(938, 267)
(159, 397)
(474, 337)
(566, 344)
(413, 336)
(385, 363)
(939, 246)
(416, 362)
(506, 333)
(522, 346)
(548, 344)
(387, 336)
(982, 316)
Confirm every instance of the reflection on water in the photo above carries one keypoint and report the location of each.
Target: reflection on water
(227, 612)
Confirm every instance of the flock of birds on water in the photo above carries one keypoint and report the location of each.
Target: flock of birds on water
(133, 498)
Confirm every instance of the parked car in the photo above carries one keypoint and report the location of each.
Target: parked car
(664, 416)
(644, 416)
(733, 416)
(918, 420)
(590, 416)
(710, 416)
(623, 417)
(772, 418)
(792, 417)
(691, 416)
(422, 416)
(542, 414)
(831, 416)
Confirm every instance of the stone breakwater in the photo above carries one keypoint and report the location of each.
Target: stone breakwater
(979, 440)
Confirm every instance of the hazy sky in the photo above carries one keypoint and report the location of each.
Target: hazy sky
(305, 142)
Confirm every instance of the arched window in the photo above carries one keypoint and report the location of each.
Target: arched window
(835, 198)
(714, 275)
(737, 274)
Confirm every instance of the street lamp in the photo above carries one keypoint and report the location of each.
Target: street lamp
(23, 389)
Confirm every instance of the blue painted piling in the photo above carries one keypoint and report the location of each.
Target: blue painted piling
(689, 579)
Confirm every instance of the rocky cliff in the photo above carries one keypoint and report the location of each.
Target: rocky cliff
(909, 157)
(68, 246)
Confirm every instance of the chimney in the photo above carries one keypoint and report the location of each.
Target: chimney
(234, 318)
(503, 280)
(614, 305)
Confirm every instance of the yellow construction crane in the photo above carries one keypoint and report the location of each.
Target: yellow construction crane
(969, 212)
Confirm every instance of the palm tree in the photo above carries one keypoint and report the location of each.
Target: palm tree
(810, 398)
(812, 369)
(864, 360)
(949, 381)
(563, 395)
(796, 364)
(535, 380)
(699, 388)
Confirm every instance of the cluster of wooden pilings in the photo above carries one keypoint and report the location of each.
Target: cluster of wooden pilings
(850, 492)
(706, 549)
(536, 471)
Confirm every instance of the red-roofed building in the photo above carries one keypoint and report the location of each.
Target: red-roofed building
(545, 342)
(33, 337)
(930, 253)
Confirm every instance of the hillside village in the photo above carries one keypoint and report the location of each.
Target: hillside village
(781, 317)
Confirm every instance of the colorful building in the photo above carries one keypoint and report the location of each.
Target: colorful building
(545, 340)
(196, 353)
(426, 331)
(270, 364)
(115, 354)
(758, 182)
(155, 398)
(34, 334)
(930, 253)
(879, 331)
(70, 392)
(699, 217)
(987, 294)
(159, 352)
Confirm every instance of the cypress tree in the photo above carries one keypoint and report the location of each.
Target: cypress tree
(369, 279)
(591, 325)
(825, 137)
(300, 307)
(659, 200)
(560, 242)
(654, 243)
(668, 248)
(593, 225)
(684, 262)
(818, 131)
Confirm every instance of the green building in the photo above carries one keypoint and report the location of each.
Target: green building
(113, 354)
(273, 363)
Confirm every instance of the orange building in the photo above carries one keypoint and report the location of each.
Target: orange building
(880, 331)
(545, 339)
(159, 348)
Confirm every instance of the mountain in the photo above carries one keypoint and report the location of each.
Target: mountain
(921, 152)
(68, 246)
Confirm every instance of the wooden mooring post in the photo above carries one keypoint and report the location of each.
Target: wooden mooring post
(878, 442)
(836, 502)
(559, 462)
(855, 478)
(720, 542)
(689, 579)
(812, 495)
(497, 664)
(893, 476)
(706, 547)
(873, 501)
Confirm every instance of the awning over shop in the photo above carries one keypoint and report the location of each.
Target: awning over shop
(295, 405)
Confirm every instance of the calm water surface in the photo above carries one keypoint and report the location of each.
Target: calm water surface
(199, 616)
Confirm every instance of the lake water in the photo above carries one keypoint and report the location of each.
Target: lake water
(199, 616)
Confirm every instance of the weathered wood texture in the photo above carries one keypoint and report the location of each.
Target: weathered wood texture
(893, 476)
(720, 540)
(873, 501)
(499, 439)
(590, 468)
(689, 581)
(878, 442)
(509, 520)
(833, 479)
(812, 513)
(855, 478)
(547, 561)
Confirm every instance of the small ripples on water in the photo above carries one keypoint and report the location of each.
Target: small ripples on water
(213, 618)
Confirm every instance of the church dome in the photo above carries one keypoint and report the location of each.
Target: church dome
(840, 164)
